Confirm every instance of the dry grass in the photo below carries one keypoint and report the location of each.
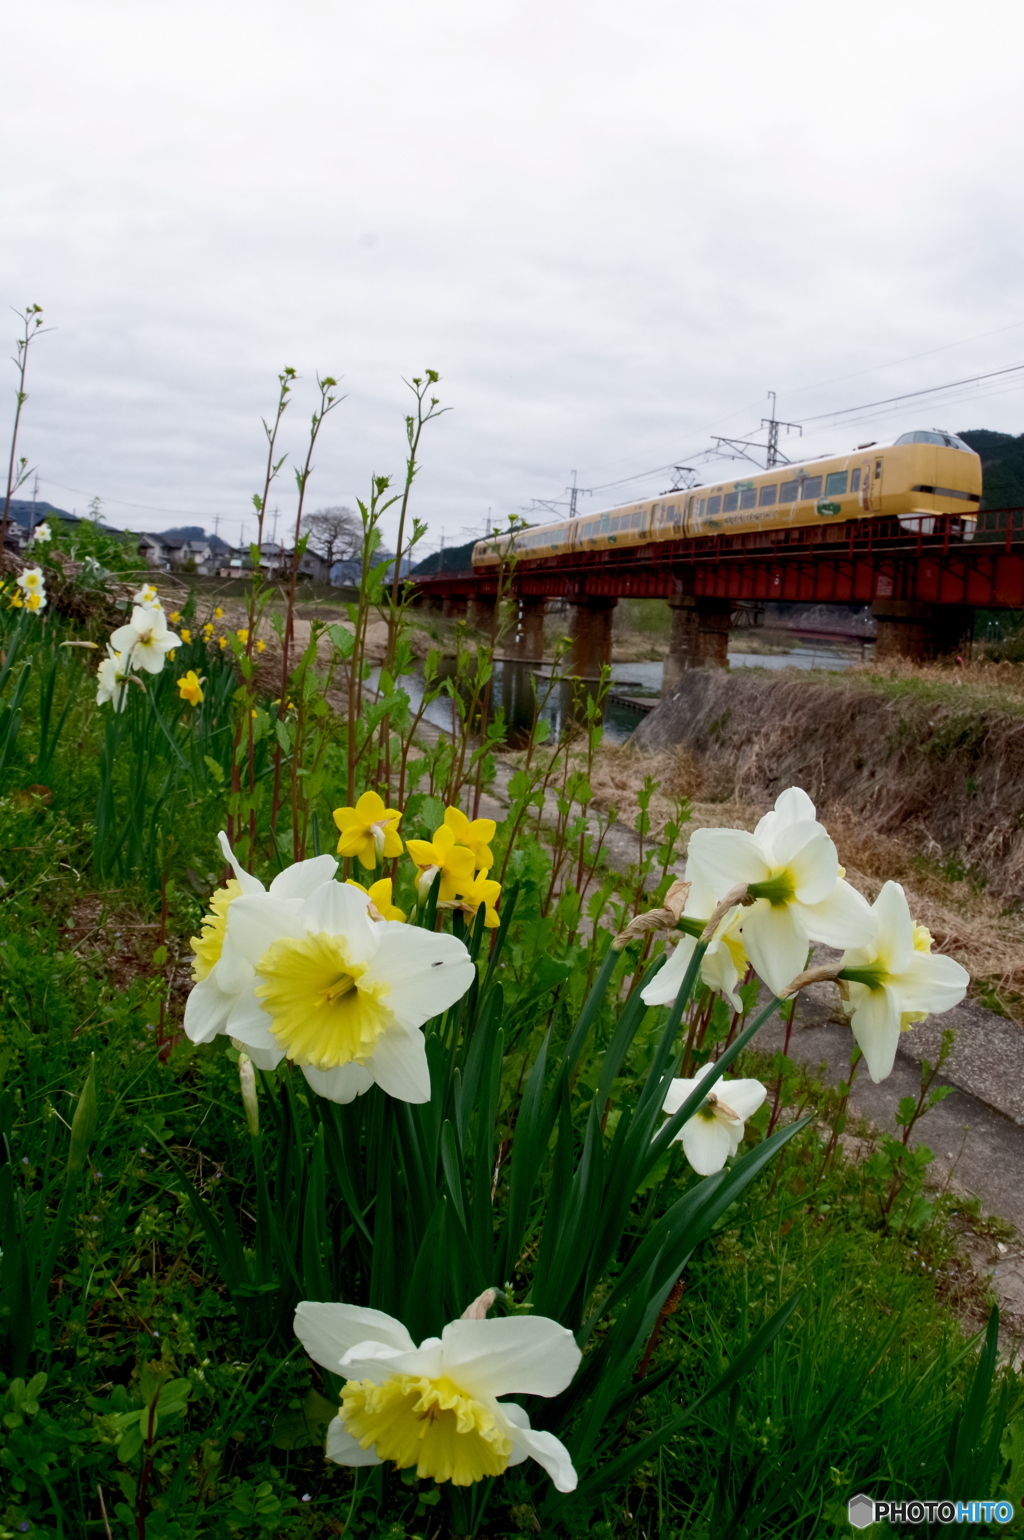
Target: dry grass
(965, 920)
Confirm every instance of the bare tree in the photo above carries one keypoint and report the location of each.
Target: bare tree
(335, 533)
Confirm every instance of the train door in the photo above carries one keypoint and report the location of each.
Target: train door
(871, 485)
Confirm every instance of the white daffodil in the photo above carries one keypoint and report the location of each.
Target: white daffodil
(724, 963)
(221, 974)
(791, 869)
(895, 981)
(30, 580)
(714, 1131)
(111, 680)
(145, 641)
(435, 1407)
(148, 597)
(342, 996)
(42, 533)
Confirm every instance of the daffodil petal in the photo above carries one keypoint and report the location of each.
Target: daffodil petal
(667, 982)
(399, 1065)
(810, 857)
(843, 919)
(343, 1449)
(775, 940)
(425, 972)
(743, 1096)
(206, 1011)
(722, 858)
(534, 1444)
(337, 909)
(328, 1331)
(246, 881)
(706, 1144)
(251, 1024)
(510, 1355)
(256, 921)
(303, 879)
(894, 927)
(876, 1026)
(932, 982)
(342, 1084)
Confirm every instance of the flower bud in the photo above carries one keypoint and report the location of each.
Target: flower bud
(247, 1080)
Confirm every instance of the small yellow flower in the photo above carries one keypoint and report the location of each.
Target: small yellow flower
(254, 713)
(243, 635)
(15, 602)
(261, 645)
(208, 630)
(170, 655)
(475, 836)
(454, 862)
(481, 891)
(35, 602)
(190, 687)
(381, 907)
(218, 613)
(174, 617)
(369, 831)
(222, 641)
(186, 636)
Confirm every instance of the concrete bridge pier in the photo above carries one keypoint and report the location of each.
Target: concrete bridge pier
(455, 607)
(591, 633)
(481, 612)
(699, 637)
(907, 629)
(524, 640)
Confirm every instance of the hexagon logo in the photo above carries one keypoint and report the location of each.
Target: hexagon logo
(861, 1510)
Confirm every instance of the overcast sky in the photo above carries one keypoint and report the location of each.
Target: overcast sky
(611, 227)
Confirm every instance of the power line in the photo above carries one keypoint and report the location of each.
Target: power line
(912, 395)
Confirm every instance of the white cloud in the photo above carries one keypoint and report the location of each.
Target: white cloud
(612, 229)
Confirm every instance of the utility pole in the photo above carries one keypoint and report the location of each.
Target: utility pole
(771, 451)
(440, 565)
(35, 494)
(773, 426)
(573, 493)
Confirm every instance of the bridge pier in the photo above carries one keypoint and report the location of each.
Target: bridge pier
(591, 634)
(699, 637)
(455, 607)
(524, 640)
(907, 629)
(481, 612)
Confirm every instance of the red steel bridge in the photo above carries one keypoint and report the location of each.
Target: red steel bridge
(922, 587)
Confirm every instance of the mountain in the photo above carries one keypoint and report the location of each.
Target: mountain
(456, 558)
(1002, 465)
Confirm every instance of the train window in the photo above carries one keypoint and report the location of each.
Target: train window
(638, 518)
(855, 480)
(789, 491)
(811, 487)
(835, 484)
(749, 498)
(615, 524)
(922, 437)
(878, 470)
(714, 506)
(730, 502)
(700, 510)
(768, 496)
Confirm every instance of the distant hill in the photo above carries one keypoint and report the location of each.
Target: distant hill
(23, 509)
(1002, 464)
(195, 532)
(456, 558)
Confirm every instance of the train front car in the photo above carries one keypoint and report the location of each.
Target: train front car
(922, 474)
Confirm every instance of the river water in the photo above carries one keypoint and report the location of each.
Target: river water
(518, 687)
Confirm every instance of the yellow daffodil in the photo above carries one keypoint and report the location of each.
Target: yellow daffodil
(481, 891)
(475, 836)
(369, 831)
(218, 613)
(222, 641)
(36, 601)
(243, 635)
(442, 854)
(186, 636)
(261, 645)
(15, 602)
(190, 687)
(208, 630)
(379, 894)
(174, 617)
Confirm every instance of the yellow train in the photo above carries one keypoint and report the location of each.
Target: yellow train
(921, 474)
